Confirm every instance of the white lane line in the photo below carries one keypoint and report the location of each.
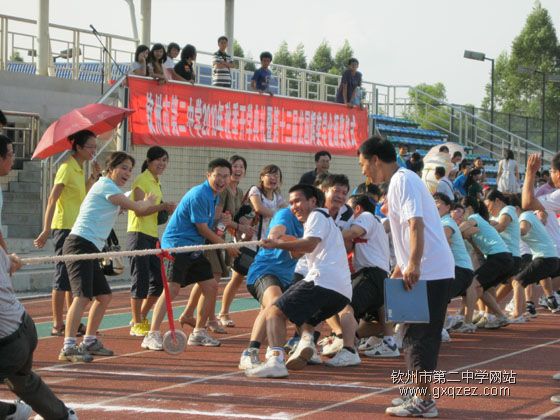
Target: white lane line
(458, 369)
(150, 374)
(547, 414)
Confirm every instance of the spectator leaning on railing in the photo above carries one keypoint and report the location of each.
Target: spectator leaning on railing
(185, 68)
(222, 64)
(261, 78)
(173, 50)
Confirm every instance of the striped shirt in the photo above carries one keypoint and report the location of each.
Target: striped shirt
(221, 76)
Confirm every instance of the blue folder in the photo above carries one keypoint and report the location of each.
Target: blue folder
(406, 306)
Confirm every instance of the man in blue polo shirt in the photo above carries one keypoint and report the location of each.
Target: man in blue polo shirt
(269, 276)
(190, 225)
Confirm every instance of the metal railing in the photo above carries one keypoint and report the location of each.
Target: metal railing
(23, 130)
(73, 46)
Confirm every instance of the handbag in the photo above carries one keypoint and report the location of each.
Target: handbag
(162, 216)
(112, 266)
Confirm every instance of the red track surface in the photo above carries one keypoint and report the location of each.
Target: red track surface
(206, 381)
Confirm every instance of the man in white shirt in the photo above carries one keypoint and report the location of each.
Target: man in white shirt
(422, 254)
(325, 290)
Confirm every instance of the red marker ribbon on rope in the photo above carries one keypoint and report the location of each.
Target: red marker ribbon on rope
(165, 255)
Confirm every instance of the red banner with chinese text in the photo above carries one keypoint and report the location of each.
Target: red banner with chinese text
(177, 114)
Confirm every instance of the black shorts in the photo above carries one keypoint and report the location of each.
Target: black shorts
(306, 303)
(459, 285)
(86, 276)
(525, 261)
(422, 341)
(490, 273)
(264, 282)
(188, 268)
(504, 278)
(145, 271)
(297, 278)
(367, 291)
(60, 280)
(538, 269)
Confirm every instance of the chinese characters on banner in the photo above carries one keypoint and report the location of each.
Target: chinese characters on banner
(175, 114)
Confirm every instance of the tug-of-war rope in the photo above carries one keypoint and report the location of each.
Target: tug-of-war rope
(137, 253)
(174, 341)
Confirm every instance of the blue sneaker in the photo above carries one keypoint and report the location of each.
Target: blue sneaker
(291, 344)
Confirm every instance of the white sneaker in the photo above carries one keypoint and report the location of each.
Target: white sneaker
(23, 411)
(201, 338)
(452, 321)
(383, 350)
(315, 359)
(466, 328)
(445, 338)
(153, 341)
(369, 343)
(344, 358)
(495, 323)
(542, 302)
(302, 354)
(414, 407)
(556, 376)
(71, 415)
(333, 346)
(249, 359)
(517, 320)
(272, 368)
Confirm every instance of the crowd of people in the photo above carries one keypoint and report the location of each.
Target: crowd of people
(159, 62)
(325, 254)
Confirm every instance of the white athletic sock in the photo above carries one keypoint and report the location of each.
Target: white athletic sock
(277, 352)
(89, 339)
(199, 330)
(69, 342)
(307, 336)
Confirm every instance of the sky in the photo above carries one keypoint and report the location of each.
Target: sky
(398, 42)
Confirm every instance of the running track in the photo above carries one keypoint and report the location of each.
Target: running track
(205, 382)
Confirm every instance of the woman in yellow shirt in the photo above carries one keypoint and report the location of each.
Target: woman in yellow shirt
(145, 272)
(68, 192)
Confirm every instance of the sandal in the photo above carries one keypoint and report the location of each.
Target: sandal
(58, 332)
(215, 327)
(189, 320)
(226, 321)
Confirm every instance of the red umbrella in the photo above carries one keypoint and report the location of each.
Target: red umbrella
(98, 118)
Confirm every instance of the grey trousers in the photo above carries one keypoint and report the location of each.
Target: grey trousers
(16, 360)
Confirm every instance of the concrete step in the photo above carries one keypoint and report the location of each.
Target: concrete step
(25, 187)
(32, 165)
(23, 218)
(24, 246)
(23, 231)
(31, 176)
(12, 196)
(20, 207)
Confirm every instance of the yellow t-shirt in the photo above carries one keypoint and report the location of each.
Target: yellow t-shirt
(146, 224)
(71, 175)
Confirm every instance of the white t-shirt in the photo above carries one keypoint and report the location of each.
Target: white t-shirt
(374, 252)
(328, 265)
(445, 186)
(551, 203)
(408, 197)
(275, 204)
(169, 63)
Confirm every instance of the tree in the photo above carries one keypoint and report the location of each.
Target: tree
(322, 59)
(283, 56)
(426, 105)
(16, 57)
(535, 47)
(341, 58)
(238, 52)
(298, 57)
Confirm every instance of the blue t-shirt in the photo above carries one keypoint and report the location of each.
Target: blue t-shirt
(487, 239)
(262, 79)
(537, 239)
(459, 184)
(277, 261)
(457, 244)
(97, 214)
(197, 206)
(511, 234)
